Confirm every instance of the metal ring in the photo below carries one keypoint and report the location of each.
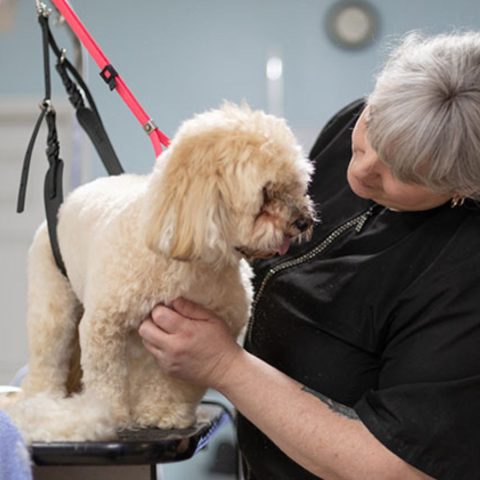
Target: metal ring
(47, 105)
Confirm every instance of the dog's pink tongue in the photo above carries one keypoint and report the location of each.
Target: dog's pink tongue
(283, 249)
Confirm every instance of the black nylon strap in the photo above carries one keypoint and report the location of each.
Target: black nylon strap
(52, 205)
(71, 88)
(53, 187)
(53, 190)
(95, 130)
(45, 106)
(26, 163)
(90, 121)
(88, 117)
(43, 20)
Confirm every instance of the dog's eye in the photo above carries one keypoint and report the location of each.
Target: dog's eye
(268, 192)
(265, 195)
(264, 202)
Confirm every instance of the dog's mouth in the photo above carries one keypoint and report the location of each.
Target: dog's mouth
(298, 231)
(283, 248)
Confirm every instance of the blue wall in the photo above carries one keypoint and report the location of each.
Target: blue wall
(184, 56)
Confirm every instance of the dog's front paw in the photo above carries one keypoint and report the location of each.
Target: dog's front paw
(178, 416)
(121, 416)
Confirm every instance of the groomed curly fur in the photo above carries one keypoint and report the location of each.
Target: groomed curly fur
(232, 184)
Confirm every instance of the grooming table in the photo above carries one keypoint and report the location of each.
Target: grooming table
(134, 455)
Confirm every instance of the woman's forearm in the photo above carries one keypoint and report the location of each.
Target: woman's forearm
(324, 437)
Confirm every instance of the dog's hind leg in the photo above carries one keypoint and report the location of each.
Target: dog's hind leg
(52, 318)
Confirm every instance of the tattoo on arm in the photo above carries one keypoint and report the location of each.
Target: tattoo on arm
(334, 406)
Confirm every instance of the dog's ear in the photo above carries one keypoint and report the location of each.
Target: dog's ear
(185, 219)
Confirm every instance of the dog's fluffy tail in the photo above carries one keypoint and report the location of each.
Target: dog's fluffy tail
(42, 418)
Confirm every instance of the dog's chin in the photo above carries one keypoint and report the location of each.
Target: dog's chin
(257, 254)
(250, 254)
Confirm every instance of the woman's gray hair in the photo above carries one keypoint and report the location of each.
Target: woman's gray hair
(424, 113)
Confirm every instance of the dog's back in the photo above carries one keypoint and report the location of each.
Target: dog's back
(92, 217)
(96, 203)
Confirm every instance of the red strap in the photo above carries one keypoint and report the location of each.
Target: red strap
(157, 137)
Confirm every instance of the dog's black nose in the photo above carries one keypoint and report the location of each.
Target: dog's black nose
(303, 223)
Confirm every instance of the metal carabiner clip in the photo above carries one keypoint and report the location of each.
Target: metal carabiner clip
(42, 9)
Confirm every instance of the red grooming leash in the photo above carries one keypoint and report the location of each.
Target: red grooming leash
(111, 76)
(87, 116)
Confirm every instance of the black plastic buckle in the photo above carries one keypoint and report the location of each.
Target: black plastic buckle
(108, 74)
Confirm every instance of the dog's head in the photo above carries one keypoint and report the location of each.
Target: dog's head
(233, 182)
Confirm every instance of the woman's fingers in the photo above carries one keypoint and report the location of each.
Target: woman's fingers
(151, 334)
(190, 309)
(166, 319)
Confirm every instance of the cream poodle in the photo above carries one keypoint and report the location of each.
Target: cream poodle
(232, 185)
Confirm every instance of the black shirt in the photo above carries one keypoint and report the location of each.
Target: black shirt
(380, 312)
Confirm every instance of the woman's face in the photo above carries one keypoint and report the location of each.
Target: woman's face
(370, 178)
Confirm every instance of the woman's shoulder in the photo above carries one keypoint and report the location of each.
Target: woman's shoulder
(343, 119)
(461, 253)
(448, 285)
(331, 154)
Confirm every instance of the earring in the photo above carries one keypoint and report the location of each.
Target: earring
(457, 201)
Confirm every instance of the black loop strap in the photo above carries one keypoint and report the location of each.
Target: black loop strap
(26, 162)
(52, 205)
(43, 20)
(53, 189)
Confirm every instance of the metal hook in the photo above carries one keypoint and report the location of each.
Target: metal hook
(42, 9)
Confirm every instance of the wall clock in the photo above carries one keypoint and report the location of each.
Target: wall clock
(352, 24)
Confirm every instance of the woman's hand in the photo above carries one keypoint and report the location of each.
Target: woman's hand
(190, 343)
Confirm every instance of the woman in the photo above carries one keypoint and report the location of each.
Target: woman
(362, 357)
